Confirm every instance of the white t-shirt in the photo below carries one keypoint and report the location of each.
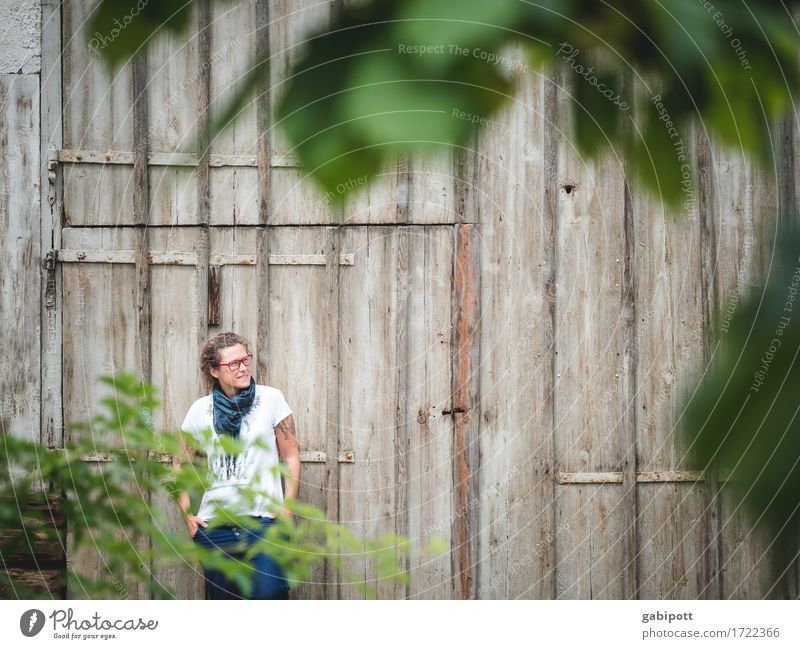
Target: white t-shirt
(254, 466)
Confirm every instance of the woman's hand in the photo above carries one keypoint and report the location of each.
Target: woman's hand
(285, 511)
(192, 523)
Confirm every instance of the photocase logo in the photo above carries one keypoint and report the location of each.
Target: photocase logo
(31, 622)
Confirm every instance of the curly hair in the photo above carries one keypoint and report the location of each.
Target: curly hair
(209, 357)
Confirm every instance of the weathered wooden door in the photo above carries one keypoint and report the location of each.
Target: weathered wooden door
(356, 315)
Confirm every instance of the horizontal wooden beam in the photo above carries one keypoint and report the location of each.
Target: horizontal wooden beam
(190, 259)
(167, 159)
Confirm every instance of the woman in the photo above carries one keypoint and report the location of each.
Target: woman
(249, 412)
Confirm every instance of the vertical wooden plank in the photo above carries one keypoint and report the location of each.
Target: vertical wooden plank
(373, 349)
(330, 315)
(673, 518)
(20, 247)
(203, 243)
(465, 396)
(399, 212)
(402, 424)
(264, 181)
(175, 374)
(52, 425)
(141, 214)
(740, 206)
(100, 305)
(141, 219)
(589, 400)
(234, 36)
(203, 74)
(97, 115)
(430, 450)
(178, 337)
(332, 375)
(630, 500)
(298, 361)
(263, 122)
(263, 351)
(466, 369)
(517, 216)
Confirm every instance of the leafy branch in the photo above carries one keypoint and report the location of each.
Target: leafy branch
(108, 508)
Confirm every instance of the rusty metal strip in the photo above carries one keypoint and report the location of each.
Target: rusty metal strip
(174, 258)
(345, 259)
(617, 477)
(669, 476)
(167, 159)
(67, 255)
(610, 477)
(344, 457)
(180, 258)
(220, 259)
(219, 160)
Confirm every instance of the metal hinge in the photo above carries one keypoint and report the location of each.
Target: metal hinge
(50, 260)
(52, 167)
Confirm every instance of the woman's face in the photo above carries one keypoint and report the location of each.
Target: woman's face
(232, 381)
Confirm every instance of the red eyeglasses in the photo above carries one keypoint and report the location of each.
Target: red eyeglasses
(234, 365)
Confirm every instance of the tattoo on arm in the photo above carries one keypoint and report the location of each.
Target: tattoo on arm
(286, 427)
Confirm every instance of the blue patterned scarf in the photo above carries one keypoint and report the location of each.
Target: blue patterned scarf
(228, 412)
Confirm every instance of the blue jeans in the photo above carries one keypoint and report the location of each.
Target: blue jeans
(269, 582)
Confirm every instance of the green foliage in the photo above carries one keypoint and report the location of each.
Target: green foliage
(742, 422)
(357, 96)
(424, 74)
(108, 510)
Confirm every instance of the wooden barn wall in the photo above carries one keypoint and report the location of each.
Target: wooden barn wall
(487, 346)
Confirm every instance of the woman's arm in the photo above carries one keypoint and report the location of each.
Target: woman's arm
(184, 501)
(289, 450)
